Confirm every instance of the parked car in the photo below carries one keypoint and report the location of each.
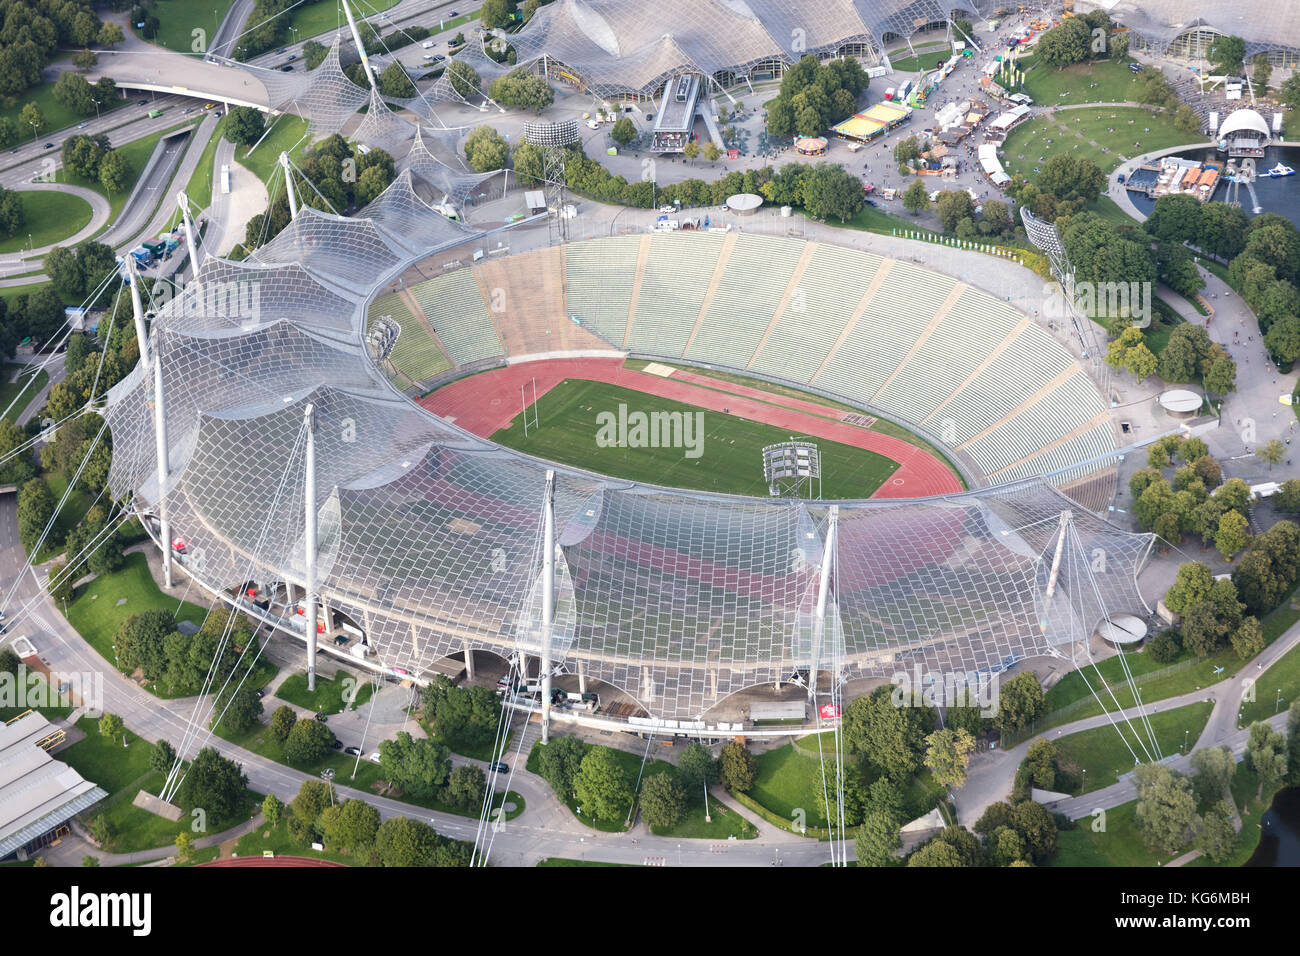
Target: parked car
(374, 757)
(292, 57)
(49, 145)
(352, 751)
(337, 745)
(498, 767)
(1135, 67)
(286, 68)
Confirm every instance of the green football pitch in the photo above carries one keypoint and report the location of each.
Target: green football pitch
(730, 456)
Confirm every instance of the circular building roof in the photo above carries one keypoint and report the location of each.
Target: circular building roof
(1180, 400)
(744, 202)
(1123, 629)
(1243, 121)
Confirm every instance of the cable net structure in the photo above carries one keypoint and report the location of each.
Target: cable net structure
(430, 538)
(613, 47)
(325, 97)
(456, 186)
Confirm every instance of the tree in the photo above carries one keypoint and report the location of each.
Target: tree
(737, 766)
(1272, 452)
(1286, 499)
(691, 150)
(1041, 762)
(271, 810)
(711, 151)
(110, 725)
(486, 149)
(624, 131)
(522, 89)
(244, 125)
(1191, 586)
(878, 839)
(312, 799)
(401, 841)
(213, 783)
(1066, 43)
(952, 206)
(1248, 639)
(948, 755)
(313, 54)
(697, 768)
(1164, 647)
(72, 90)
(162, 757)
(1293, 742)
(1216, 837)
(420, 767)
(308, 742)
(114, 171)
(84, 59)
(238, 708)
(559, 763)
(464, 79)
(351, 825)
(396, 82)
(915, 197)
(830, 192)
(1214, 768)
(663, 801)
(1020, 702)
(110, 34)
(35, 506)
(1227, 54)
(1072, 178)
(1166, 807)
(954, 846)
(1283, 338)
(31, 116)
(466, 787)
(1266, 754)
(890, 737)
(1232, 535)
(10, 662)
(282, 722)
(184, 847)
(601, 787)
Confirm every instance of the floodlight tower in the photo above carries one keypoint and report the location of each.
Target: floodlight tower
(309, 542)
(361, 47)
(288, 185)
(152, 359)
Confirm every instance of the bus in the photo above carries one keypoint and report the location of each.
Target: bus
(225, 177)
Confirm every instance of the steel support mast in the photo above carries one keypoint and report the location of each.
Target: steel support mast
(288, 186)
(361, 47)
(309, 543)
(548, 600)
(152, 361)
(184, 202)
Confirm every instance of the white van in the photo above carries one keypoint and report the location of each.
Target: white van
(427, 45)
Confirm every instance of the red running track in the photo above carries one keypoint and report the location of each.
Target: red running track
(485, 403)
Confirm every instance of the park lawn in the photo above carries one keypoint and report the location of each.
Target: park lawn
(178, 18)
(313, 19)
(123, 772)
(137, 153)
(36, 684)
(328, 697)
(96, 613)
(926, 56)
(629, 762)
(1071, 689)
(1087, 129)
(1115, 83)
(9, 389)
(199, 188)
(557, 861)
(51, 217)
(1282, 679)
(1103, 756)
(1119, 844)
(1110, 210)
(288, 134)
(368, 775)
(68, 517)
(790, 780)
(881, 425)
(731, 449)
(277, 840)
(724, 824)
(57, 116)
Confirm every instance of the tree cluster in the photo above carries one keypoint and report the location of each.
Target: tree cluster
(815, 95)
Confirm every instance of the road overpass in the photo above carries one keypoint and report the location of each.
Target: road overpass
(162, 71)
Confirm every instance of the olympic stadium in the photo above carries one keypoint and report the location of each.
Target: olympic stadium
(1188, 28)
(291, 378)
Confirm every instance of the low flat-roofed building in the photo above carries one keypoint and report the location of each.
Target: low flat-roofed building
(38, 794)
